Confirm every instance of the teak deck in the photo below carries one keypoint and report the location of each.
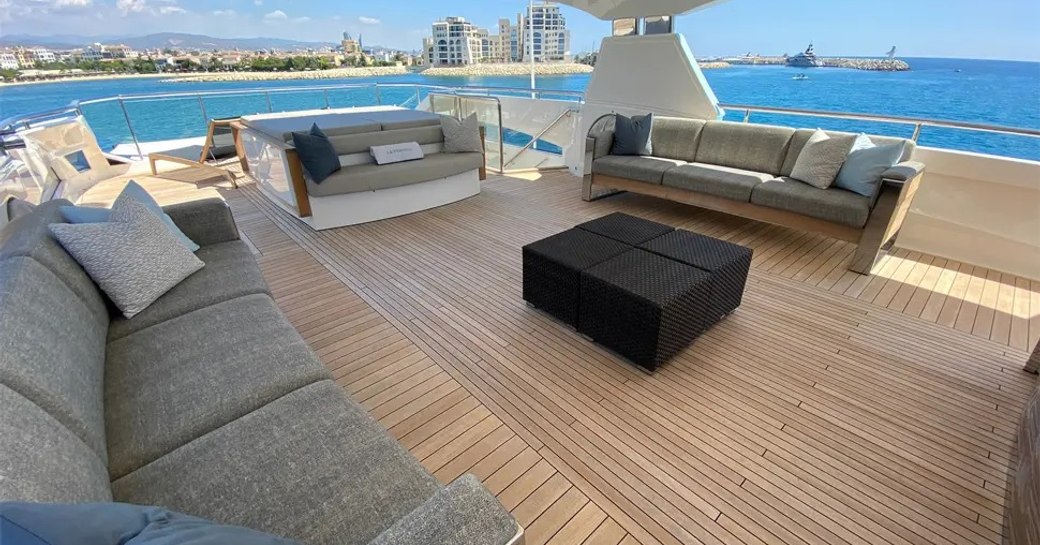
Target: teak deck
(831, 408)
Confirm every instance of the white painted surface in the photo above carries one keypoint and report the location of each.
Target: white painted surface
(977, 209)
(363, 207)
(618, 9)
(625, 82)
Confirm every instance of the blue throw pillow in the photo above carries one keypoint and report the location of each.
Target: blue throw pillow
(862, 170)
(117, 524)
(632, 135)
(316, 153)
(133, 190)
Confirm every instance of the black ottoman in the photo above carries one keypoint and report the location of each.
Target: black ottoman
(728, 264)
(552, 269)
(628, 229)
(643, 306)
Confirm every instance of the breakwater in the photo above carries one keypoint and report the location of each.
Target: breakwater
(334, 73)
(508, 69)
(874, 65)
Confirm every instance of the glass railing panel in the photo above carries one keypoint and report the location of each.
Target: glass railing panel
(488, 115)
(107, 121)
(351, 97)
(1007, 145)
(289, 101)
(238, 105)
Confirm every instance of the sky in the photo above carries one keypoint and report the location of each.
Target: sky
(994, 29)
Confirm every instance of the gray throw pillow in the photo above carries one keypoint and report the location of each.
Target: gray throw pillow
(821, 159)
(632, 135)
(461, 136)
(133, 257)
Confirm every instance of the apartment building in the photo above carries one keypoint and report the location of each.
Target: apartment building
(456, 41)
(8, 61)
(551, 39)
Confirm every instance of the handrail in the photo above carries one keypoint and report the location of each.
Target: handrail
(566, 113)
(917, 121)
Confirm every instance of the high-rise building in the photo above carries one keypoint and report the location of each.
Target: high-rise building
(551, 39)
(456, 41)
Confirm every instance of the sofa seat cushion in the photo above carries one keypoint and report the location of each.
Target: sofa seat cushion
(183, 378)
(372, 177)
(42, 461)
(835, 205)
(311, 466)
(727, 182)
(230, 272)
(642, 169)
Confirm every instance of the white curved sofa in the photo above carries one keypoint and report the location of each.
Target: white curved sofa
(361, 191)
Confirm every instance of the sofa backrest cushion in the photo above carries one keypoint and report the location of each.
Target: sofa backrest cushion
(52, 348)
(759, 148)
(30, 236)
(801, 136)
(677, 138)
(42, 461)
(361, 143)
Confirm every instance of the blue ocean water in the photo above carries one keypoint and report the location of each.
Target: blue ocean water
(996, 92)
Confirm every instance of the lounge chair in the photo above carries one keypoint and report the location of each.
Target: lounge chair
(219, 144)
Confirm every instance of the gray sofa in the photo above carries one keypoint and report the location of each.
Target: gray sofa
(744, 169)
(207, 403)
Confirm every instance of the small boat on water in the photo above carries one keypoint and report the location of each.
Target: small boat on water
(800, 77)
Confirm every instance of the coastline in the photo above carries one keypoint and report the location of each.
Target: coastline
(96, 77)
(333, 73)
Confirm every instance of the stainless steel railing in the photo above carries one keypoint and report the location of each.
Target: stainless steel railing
(916, 122)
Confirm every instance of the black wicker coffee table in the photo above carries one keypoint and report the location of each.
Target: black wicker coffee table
(643, 306)
(637, 287)
(553, 266)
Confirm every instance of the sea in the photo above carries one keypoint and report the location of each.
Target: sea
(1003, 93)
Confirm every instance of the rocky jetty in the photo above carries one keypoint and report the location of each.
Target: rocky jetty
(713, 65)
(877, 65)
(508, 69)
(335, 73)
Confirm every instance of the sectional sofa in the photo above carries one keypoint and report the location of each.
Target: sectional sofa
(361, 191)
(207, 403)
(744, 169)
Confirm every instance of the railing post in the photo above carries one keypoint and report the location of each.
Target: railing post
(917, 132)
(326, 93)
(501, 142)
(267, 95)
(747, 115)
(202, 107)
(129, 125)
(379, 96)
(418, 98)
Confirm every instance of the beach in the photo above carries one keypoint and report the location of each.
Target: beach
(94, 77)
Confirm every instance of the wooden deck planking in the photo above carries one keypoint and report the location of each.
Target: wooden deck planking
(808, 416)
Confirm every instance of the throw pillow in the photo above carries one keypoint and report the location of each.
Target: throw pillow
(316, 153)
(461, 136)
(821, 159)
(133, 191)
(632, 135)
(133, 257)
(865, 164)
(118, 524)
